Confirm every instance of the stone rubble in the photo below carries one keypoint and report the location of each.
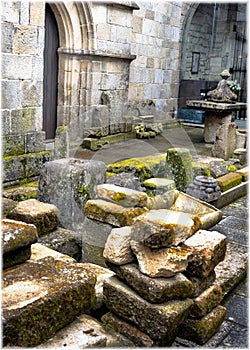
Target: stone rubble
(155, 256)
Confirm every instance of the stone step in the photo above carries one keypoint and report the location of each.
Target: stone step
(40, 297)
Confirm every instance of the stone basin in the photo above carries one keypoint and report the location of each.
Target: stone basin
(208, 214)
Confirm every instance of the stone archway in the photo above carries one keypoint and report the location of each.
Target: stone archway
(76, 35)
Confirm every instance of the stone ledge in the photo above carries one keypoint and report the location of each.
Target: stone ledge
(231, 195)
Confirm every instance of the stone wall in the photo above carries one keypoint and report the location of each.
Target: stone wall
(127, 50)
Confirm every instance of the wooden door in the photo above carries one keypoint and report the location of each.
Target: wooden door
(50, 74)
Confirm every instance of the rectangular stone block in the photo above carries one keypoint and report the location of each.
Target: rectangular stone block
(208, 249)
(154, 290)
(35, 142)
(122, 195)
(13, 145)
(201, 330)
(68, 183)
(43, 215)
(111, 213)
(228, 181)
(159, 322)
(37, 301)
(17, 238)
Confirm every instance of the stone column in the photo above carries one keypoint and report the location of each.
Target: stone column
(213, 120)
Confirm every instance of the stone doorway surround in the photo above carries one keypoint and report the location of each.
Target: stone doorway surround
(86, 69)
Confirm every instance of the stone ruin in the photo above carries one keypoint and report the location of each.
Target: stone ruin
(164, 263)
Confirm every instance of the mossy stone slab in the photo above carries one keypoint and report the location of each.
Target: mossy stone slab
(111, 213)
(17, 238)
(229, 181)
(39, 298)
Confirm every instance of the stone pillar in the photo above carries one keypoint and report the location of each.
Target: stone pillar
(225, 141)
(68, 184)
(213, 120)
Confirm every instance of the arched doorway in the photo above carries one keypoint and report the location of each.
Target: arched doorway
(50, 74)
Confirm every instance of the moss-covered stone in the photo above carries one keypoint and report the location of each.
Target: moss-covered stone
(201, 330)
(111, 213)
(143, 167)
(39, 298)
(200, 169)
(43, 215)
(228, 181)
(180, 161)
(17, 238)
(24, 166)
(21, 193)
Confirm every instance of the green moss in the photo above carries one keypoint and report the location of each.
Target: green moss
(119, 196)
(232, 168)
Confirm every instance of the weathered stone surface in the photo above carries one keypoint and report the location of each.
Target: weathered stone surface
(206, 301)
(117, 249)
(241, 154)
(7, 206)
(17, 238)
(128, 180)
(87, 332)
(35, 142)
(40, 251)
(68, 184)
(180, 160)
(159, 185)
(44, 216)
(218, 168)
(165, 262)
(244, 172)
(233, 268)
(134, 334)
(159, 322)
(111, 213)
(101, 274)
(24, 166)
(154, 290)
(50, 291)
(21, 193)
(208, 249)
(143, 167)
(229, 181)
(201, 330)
(61, 142)
(200, 284)
(94, 236)
(163, 227)
(207, 213)
(122, 195)
(225, 141)
(163, 201)
(64, 241)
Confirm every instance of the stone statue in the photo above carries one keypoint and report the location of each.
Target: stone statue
(222, 93)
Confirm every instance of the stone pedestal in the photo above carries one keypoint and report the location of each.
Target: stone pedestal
(225, 141)
(214, 120)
